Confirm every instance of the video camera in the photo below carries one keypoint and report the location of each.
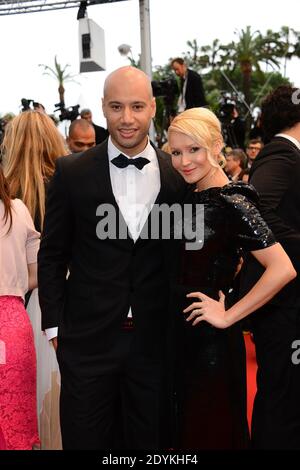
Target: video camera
(26, 104)
(167, 89)
(71, 113)
(227, 104)
(233, 126)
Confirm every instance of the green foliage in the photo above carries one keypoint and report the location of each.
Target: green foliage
(242, 61)
(251, 63)
(261, 84)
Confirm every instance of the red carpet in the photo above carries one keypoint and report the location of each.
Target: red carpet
(251, 375)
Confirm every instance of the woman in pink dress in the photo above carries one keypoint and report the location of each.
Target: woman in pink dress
(31, 146)
(19, 243)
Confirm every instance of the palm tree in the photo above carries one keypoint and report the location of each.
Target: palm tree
(291, 44)
(286, 36)
(60, 74)
(296, 44)
(248, 52)
(195, 50)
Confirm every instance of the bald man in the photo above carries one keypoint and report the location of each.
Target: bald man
(81, 136)
(111, 312)
(101, 133)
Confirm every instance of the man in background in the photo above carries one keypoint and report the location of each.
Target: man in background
(253, 148)
(191, 87)
(233, 126)
(275, 174)
(81, 136)
(101, 133)
(235, 164)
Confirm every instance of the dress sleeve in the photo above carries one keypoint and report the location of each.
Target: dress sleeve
(246, 225)
(33, 238)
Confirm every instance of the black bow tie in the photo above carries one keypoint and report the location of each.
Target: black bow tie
(122, 162)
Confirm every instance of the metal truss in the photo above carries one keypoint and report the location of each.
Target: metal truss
(15, 7)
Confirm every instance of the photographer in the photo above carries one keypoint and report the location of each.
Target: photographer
(191, 87)
(68, 114)
(31, 104)
(233, 126)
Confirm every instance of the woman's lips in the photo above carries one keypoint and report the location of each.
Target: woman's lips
(188, 172)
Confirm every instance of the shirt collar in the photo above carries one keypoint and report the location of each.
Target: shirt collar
(113, 151)
(290, 138)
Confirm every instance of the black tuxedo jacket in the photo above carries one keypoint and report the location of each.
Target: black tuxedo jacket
(275, 174)
(106, 276)
(194, 94)
(100, 133)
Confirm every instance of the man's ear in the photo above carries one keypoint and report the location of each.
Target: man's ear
(153, 106)
(103, 107)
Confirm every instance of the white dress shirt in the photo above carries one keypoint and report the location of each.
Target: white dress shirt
(135, 192)
(181, 100)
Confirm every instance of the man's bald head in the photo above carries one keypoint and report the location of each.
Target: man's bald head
(81, 124)
(128, 74)
(129, 107)
(81, 136)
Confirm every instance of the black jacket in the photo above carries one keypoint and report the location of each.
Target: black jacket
(106, 276)
(275, 174)
(101, 134)
(194, 94)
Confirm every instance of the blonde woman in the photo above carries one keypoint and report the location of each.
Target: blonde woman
(210, 365)
(31, 146)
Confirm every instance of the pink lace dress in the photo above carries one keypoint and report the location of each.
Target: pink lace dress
(18, 408)
(2, 441)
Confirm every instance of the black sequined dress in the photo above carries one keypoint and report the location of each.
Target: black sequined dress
(210, 376)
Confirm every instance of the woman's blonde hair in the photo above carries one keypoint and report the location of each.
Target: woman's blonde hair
(166, 148)
(30, 147)
(203, 126)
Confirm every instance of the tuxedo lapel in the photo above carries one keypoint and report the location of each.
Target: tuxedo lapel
(103, 184)
(102, 176)
(165, 177)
